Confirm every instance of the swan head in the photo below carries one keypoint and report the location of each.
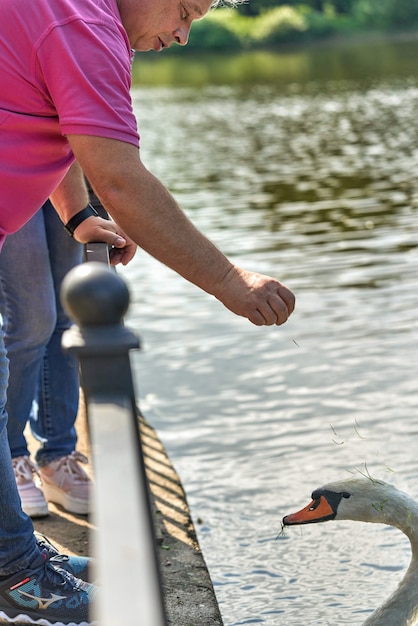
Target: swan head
(358, 499)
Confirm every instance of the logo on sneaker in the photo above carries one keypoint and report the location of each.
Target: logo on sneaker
(43, 603)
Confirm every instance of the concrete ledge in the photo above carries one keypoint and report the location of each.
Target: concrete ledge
(188, 590)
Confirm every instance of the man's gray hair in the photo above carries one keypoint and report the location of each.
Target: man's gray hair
(227, 3)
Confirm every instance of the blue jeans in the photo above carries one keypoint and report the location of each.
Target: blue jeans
(44, 381)
(17, 543)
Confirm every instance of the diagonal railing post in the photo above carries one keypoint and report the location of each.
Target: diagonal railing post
(124, 544)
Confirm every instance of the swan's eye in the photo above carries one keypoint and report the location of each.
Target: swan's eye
(315, 504)
(345, 494)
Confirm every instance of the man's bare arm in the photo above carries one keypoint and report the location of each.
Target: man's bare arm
(70, 197)
(144, 209)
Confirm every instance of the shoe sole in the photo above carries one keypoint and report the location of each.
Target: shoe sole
(36, 511)
(25, 620)
(70, 504)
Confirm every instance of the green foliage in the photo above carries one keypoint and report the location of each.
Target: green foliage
(370, 15)
(215, 32)
(319, 24)
(404, 13)
(387, 13)
(277, 25)
(266, 23)
(225, 28)
(255, 7)
(240, 26)
(328, 22)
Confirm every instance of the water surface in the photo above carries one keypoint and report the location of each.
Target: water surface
(311, 178)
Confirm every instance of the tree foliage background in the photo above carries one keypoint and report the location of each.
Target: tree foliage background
(269, 23)
(375, 12)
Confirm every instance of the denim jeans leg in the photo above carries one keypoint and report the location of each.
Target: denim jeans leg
(28, 306)
(55, 410)
(18, 547)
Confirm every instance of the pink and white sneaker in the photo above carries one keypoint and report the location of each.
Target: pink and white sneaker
(28, 485)
(66, 483)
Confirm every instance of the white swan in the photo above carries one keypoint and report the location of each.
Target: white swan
(369, 500)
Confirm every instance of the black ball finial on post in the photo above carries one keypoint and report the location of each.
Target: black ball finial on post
(94, 295)
(96, 298)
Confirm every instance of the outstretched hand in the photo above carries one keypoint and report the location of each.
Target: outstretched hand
(259, 298)
(97, 229)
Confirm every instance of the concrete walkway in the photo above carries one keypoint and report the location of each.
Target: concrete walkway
(189, 596)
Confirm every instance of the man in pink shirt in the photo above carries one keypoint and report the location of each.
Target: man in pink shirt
(65, 108)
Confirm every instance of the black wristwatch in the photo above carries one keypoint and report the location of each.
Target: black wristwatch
(79, 217)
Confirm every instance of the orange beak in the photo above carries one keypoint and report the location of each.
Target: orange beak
(319, 510)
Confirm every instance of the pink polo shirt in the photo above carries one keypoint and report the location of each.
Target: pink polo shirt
(65, 69)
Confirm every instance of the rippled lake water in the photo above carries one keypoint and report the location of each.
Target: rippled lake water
(314, 182)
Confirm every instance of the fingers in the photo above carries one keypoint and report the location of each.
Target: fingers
(281, 306)
(263, 300)
(288, 298)
(274, 308)
(122, 255)
(275, 311)
(97, 229)
(274, 303)
(272, 312)
(256, 318)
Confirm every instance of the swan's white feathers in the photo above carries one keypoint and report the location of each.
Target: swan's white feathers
(375, 501)
(368, 500)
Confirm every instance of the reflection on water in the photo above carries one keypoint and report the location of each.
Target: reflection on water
(315, 182)
(319, 63)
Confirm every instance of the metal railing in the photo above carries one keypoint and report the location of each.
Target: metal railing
(124, 544)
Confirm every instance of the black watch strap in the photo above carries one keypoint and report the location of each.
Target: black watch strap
(79, 217)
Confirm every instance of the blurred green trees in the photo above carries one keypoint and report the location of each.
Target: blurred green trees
(268, 23)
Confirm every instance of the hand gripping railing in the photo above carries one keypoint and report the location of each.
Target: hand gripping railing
(124, 544)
